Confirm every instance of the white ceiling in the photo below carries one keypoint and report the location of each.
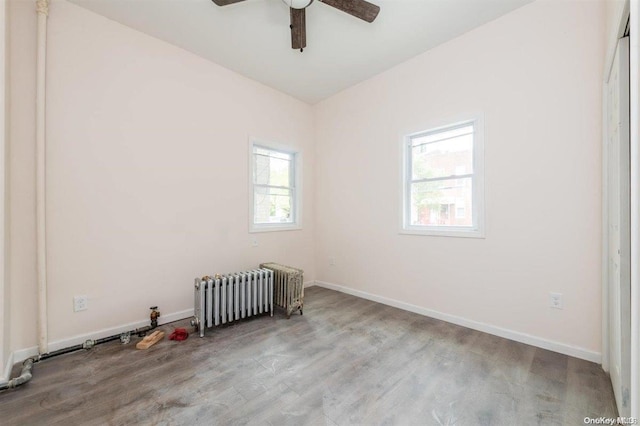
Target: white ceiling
(253, 37)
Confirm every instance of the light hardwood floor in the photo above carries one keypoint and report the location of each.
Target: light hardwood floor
(346, 361)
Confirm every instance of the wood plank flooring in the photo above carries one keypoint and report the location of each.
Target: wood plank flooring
(346, 361)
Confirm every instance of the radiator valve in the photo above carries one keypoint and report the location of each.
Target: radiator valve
(155, 314)
(195, 323)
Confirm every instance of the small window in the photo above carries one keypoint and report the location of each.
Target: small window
(443, 181)
(274, 189)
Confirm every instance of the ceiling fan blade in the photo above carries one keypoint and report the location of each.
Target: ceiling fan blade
(298, 29)
(359, 8)
(226, 2)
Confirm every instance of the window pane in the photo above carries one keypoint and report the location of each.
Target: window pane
(441, 159)
(272, 205)
(446, 202)
(272, 170)
(271, 153)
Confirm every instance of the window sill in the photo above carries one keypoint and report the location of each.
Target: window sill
(253, 229)
(456, 233)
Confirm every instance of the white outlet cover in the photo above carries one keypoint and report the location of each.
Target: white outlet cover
(555, 300)
(80, 303)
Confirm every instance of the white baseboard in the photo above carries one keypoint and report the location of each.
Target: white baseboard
(22, 354)
(7, 369)
(575, 351)
(528, 339)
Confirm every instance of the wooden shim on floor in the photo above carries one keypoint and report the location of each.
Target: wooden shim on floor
(150, 340)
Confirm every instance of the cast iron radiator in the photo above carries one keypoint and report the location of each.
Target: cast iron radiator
(226, 298)
(288, 287)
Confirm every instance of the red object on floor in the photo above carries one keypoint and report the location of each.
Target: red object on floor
(179, 334)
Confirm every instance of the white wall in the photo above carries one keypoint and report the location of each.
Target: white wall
(147, 146)
(147, 156)
(21, 261)
(4, 292)
(536, 76)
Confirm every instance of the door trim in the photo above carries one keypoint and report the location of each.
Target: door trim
(634, 102)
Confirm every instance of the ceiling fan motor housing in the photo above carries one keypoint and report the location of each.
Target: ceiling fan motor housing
(298, 4)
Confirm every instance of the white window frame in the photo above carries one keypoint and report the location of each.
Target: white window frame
(296, 204)
(477, 230)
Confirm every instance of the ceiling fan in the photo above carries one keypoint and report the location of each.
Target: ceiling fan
(359, 8)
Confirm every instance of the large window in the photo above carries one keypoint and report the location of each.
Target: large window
(443, 181)
(274, 189)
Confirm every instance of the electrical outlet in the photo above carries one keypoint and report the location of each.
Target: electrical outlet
(555, 300)
(254, 242)
(80, 303)
(332, 261)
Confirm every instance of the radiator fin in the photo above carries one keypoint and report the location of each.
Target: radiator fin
(230, 297)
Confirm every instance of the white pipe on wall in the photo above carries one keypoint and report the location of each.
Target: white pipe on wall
(42, 8)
